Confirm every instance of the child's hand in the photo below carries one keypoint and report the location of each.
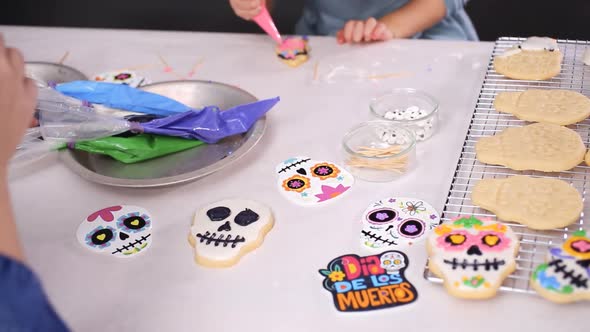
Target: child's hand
(246, 9)
(17, 101)
(363, 32)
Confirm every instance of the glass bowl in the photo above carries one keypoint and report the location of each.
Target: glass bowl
(379, 151)
(410, 108)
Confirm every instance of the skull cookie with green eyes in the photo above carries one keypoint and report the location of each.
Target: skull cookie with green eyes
(225, 231)
(119, 231)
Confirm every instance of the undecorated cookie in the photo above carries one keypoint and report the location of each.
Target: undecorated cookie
(539, 203)
(540, 146)
(293, 51)
(472, 256)
(224, 231)
(562, 107)
(537, 58)
(587, 158)
(565, 277)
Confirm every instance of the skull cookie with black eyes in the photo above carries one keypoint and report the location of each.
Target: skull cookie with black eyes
(119, 231)
(565, 277)
(225, 231)
(400, 221)
(472, 256)
(305, 181)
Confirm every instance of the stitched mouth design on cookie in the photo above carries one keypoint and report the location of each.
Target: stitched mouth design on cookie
(475, 265)
(370, 236)
(576, 280)
(134, 246)
(212, 238)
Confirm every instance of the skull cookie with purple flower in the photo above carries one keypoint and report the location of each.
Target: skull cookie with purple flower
(400, 221)
(308, 182)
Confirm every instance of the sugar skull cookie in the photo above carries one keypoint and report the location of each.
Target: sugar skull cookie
(399, 221)
(293, 51)
(472, 256)
(305, 181)
(224, 231)
(120, 231)
(565, 277)
(537, 58)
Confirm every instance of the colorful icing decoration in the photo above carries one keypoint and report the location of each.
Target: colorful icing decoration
(223, 232)
(308, 182)
(293, 51)
(120, 231)
(565, 277)
(128, 77)
(393, 222)
(370, 282)
(533, 44)
(472, 256)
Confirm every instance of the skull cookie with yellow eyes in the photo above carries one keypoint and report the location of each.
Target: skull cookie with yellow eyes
(565, 277)
(119, 231)
(305, 181)
(225, 231)
(472, 256)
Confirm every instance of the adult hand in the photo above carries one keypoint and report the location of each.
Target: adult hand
(363, 32)
(17, 101)
(246, 9)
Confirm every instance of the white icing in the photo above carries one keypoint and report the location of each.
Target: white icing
(510, 51)
(137, 242)
(533, 44)
(134, 80)
(379, 234)
(586, 58)
(337, 185)
(454, 278)
(250, 233)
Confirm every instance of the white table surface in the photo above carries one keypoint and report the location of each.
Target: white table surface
(277, 287)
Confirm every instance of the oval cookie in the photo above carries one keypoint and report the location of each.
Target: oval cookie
(540, 146)
(539, 203)
(562, 107)
(536, 58)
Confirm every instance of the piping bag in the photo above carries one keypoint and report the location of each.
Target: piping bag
(264, 20)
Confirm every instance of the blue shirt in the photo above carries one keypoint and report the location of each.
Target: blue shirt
(326, 17)
(23, 304)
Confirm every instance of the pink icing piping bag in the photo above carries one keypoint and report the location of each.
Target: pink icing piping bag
(268, 25)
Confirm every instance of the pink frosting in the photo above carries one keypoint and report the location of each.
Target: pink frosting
(292, 43)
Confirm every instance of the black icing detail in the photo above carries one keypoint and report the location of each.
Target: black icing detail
(295, 184)
(411, 228)
(123, 236)
(575, 280)
(474, 250)
(377, 238)
(128, 222)
(449, 241)
(377, 215)
(302, 171)
(246, 217)
(475, 265)
(218, 213)
(585, 263)
(304, 52)
(132, 244)
(286, 168)
(483, 241)
(225, 227)
(108, 235)
(316, 170)
(209, 239)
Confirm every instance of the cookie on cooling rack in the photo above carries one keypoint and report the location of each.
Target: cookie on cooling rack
(562, 107)
(539, 203)
(537, 58)
(472, 256)
(565, 276)
(540, 146)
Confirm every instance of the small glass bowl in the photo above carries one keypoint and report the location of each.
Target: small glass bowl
(411, 108)
(379, 151)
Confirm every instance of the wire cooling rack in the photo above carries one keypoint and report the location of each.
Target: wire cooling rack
(486, 121)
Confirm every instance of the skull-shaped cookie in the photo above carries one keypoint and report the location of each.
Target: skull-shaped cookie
(398, 221)
(308, 182)
(224, 231)
(473, 256)
(119, 231)
(565, 277)
(393, 262)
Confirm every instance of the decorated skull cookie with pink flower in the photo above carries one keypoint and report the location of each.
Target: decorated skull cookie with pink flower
(305, 181)
(472, 256)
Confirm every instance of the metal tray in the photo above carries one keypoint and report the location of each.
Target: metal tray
(183, 166)
(47, 72)
(486, 121)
